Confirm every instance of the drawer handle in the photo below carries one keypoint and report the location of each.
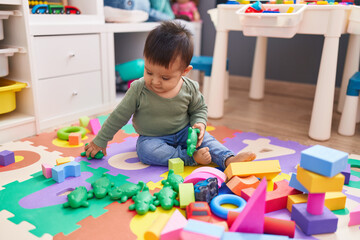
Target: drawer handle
(75, 93)
(71, 54)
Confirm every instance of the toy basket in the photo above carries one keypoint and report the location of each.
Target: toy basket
(4, 15)
(279, 25)
(354, 20)
(7, 94)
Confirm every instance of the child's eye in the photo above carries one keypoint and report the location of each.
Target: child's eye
(165, 78)
(149, 73)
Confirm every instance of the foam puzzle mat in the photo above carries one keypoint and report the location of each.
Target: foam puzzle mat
(31, 205)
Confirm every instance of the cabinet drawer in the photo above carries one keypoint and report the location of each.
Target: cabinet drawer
(69, 54)
(69, 94)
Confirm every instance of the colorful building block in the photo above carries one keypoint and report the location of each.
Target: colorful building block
(84, 121)
(46, 170)
(196, 177)
(251, 236)
(355, 216)
(74, 138)
(333, 200)
(323, 160)
(174, 226)
(347, 172)
(186, 194)
(314, 224)
(6, 158)
(70, 169)
(278, 226)
(154, 231)
(296, 184)
(315, 204)
(260, 169)
(177, 164)
(64, 160)
(195, 229)
(220, 175)
(275, 200)
(316, 183)
(94, 126)
(251, 219)
(236, 184)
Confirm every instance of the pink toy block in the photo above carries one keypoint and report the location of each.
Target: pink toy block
(355, 216)
(75, 138)
(316, 203)
(251, 219)
(214, 171)
(174, 226)
(94, 126)
(6, 158)
(46, 169)
(236, 184)
(200, 230)
(200, 176)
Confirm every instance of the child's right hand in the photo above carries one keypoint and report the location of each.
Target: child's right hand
(92, 149)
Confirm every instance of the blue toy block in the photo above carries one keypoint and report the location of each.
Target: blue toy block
(314, 224)
(6, 158)
(257, 5)
(353, 87)
(70, 169)
(224, 189)
(206, 190)
(347, 173)
(323, 160)
(204, 63)
(251, 236)
(204, 228)
(296, 184)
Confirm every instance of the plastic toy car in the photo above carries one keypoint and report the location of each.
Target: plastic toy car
(72, 10)
(40, 9)
(56, 9)
(206, 190)
(199, 211)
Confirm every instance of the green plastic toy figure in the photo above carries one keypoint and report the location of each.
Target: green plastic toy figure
(99, 155)
(174, 180)
(126, 191)
(166, 197)
(78, 198)
(192, 140)
(102, 186)
(144, 202)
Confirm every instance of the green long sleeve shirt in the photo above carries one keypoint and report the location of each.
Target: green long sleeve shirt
(154, 115)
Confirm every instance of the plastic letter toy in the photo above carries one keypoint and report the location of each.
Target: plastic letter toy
(126, 191)
(78, 198)
(166, 197)
(192, 140)
(144, 202)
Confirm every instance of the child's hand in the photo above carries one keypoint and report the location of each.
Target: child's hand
(202, 129)
(92, 149)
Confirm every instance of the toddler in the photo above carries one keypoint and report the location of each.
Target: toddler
(164, 104)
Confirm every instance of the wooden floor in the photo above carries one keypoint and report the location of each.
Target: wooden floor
(284, 113)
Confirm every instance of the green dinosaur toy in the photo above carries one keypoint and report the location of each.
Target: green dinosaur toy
(98, 155)
(192, 140)
(78, 198)
(166, 197)
(174, 180)
(126, 191)
(101, 187)
(144, 202)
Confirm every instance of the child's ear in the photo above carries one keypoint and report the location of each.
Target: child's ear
(187, 70)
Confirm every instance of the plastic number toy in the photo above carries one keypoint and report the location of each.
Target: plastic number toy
(192, 140)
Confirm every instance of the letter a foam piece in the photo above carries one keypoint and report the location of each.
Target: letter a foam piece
(251, 219)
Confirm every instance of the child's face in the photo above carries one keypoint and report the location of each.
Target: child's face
(162, 80)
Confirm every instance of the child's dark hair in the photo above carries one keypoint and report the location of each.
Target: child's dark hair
(166, 42)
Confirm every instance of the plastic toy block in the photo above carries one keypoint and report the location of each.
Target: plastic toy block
(251, 219)
(323, 160)
(260, 169)
(174, 226)
(316, 203)
(316, 183)
(275, 200)
(236, 184)
(177, 164)
(347, 173)
(84, 121)
(333, 200)
(220, 175)
(355, 217)
(222, 224)
(70, 169)
(199, 211)
(295, 199)
(196, 177)
(46, 170)
(156, 227)
(290, 10)
(296, 184)
(64, 160)
(186, 194)
(6, 158)
(314, 224)
(75, 138)
(354, 85)
(279, 226)
(94, 126)
(251, 236)
(195, 229)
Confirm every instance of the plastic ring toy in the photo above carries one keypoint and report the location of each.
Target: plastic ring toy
(222, 212)
(63, 133)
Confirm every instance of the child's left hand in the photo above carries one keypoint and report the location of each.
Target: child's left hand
(202, 129)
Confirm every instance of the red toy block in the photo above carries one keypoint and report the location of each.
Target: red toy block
(279, 227)
(275, 200)
(75, 138)
(236, 184)
(316, 203)
(94, 126)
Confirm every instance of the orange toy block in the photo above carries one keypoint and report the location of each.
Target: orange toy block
(75, 138)
(316, 183)
(260, 169)
(275, 200)
(236, 184)
(333, 200)
(64, 160)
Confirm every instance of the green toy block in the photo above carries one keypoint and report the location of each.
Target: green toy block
(176, 164)
(84, 121)
(186, 194)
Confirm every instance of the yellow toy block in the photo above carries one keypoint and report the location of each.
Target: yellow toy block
(157, 226)
(64, 160)
(333, 200)
(295, 199)
(290, 10)
(316, 183)
(186, 194)
(260, 169)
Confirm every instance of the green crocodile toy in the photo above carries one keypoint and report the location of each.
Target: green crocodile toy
(144, 202)
(78, 198)
(166, 197)
(192, 140)
(174, 180)
(98, 155)
(102, 186)
(126, 191)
